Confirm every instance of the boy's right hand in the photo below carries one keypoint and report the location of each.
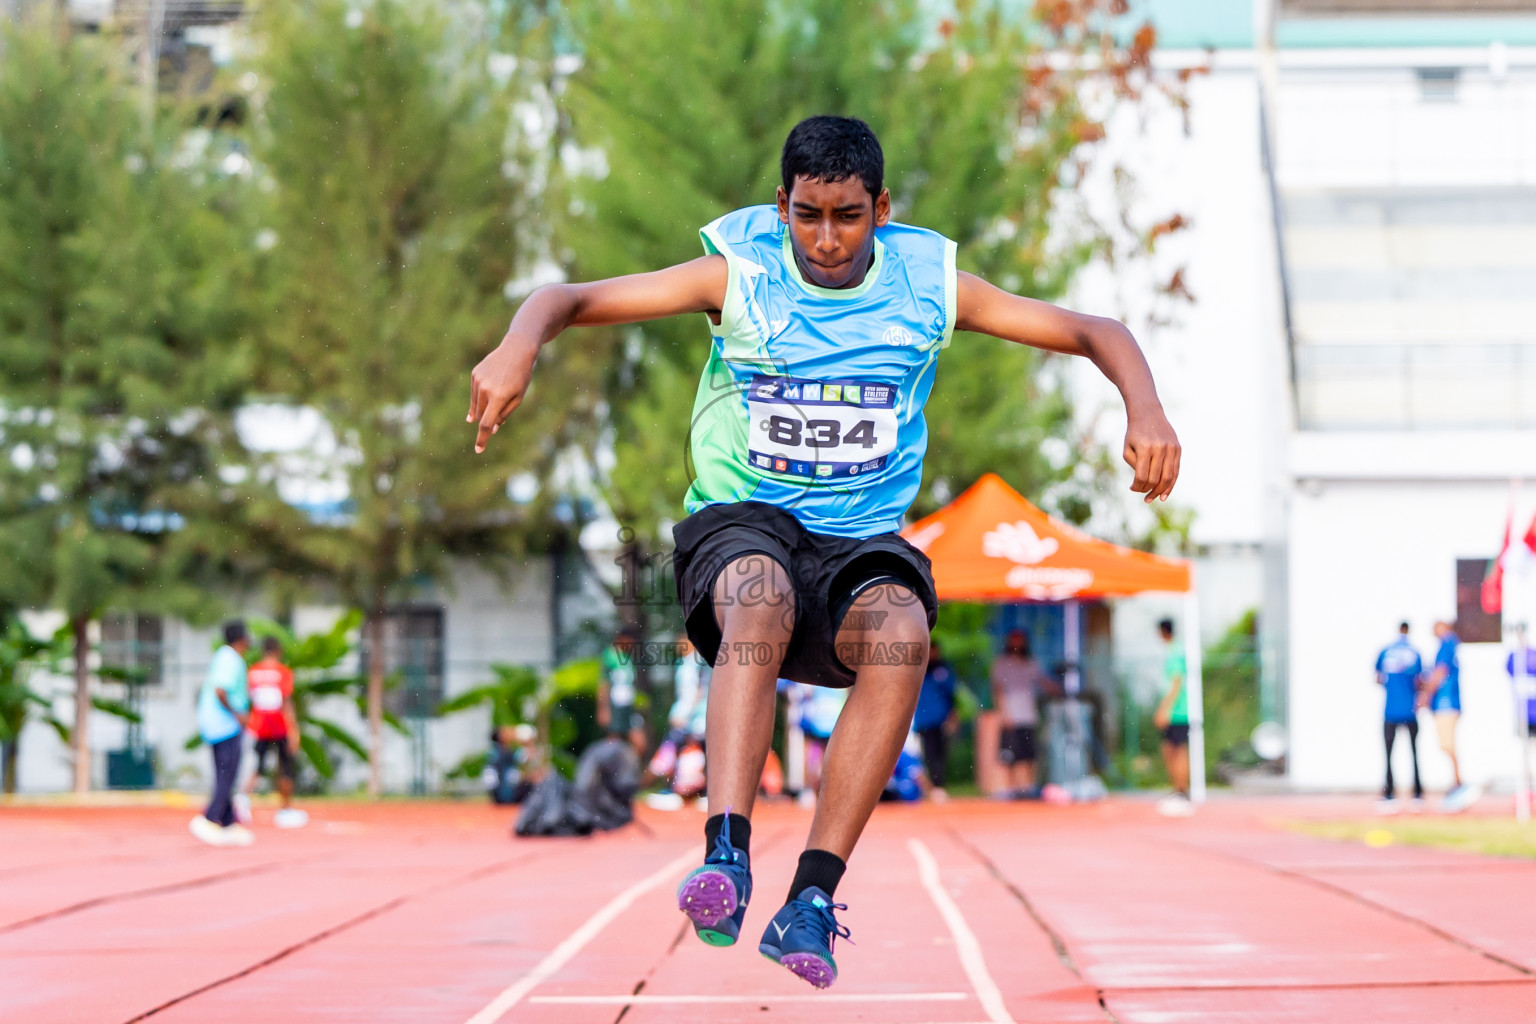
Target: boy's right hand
(497, 385)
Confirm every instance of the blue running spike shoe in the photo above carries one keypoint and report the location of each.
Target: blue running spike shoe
(801, 935)
(715, 896)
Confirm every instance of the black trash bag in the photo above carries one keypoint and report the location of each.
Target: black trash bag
(607, 779)
(547, 811)
(602, 797)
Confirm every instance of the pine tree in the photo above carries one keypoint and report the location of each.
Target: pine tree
(980, 131)
(111, 298)
(386, 133)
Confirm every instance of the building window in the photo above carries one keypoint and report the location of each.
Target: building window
(136, 642)
(1473, 625)
(1438, 85)
(413, 660)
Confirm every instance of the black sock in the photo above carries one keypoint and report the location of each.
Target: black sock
(741, 833)
(819, 868)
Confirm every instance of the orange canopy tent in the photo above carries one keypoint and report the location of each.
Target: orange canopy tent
(991, 544)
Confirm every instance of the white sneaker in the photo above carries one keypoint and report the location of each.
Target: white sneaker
(1416, 805)
(664, 801)
(241, 802)
(237, 835)
(1175, 805)
(938, 795)
(1388, 805)
(1460, 798)
(206, 830)
(290, 817)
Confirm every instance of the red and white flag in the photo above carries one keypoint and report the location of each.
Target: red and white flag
(1512, 558)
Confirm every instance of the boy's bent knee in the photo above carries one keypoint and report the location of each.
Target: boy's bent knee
(755, 601)
(883, 629)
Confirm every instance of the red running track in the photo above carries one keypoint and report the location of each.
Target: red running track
(971, 912)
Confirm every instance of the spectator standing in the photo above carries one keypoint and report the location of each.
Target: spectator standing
(679, 758)
(223, 705)
(1172, 718)
(1399, 670)
(1521, 668)
(617, 691)
(934, 719)
(1442, 689)
(1018, 683)
(275, 725)
(690, 693)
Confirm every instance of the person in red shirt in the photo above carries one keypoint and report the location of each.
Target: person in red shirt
(275, 726)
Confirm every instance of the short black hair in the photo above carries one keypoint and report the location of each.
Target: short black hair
(271, 645)
(1165, 627)
(234, 631)
(1402, 627)
(828, 148)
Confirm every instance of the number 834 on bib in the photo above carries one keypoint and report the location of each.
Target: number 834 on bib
(820, 430)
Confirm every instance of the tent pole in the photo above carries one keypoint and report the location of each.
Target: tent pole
(1072, 647)
(1195, 685)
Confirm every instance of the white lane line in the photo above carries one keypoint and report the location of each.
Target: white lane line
(966, 945)
(765, 1000)
(561, 954)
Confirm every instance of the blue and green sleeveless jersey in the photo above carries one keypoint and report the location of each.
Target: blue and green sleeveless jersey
(812, 399)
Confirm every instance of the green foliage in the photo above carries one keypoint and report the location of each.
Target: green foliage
(383, 136)
(513, 697)
(979, 132)
(116, 314)
(22, 655)
(1230, 674)
(562, 704)
(963, 637)
(20, 652)
(113, 305)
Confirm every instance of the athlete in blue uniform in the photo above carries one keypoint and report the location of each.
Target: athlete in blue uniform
(1442, 688)
(827, 320)
(1398, 671)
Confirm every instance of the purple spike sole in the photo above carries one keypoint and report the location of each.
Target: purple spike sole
(706, 897)
(811, 968)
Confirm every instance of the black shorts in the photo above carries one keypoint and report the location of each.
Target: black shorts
(284, 757)
(1176, 735)
(1016, 745)
(828, 574)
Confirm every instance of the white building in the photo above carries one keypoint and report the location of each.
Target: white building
(1355, 383)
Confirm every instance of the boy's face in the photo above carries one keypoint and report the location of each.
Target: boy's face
(832, 228)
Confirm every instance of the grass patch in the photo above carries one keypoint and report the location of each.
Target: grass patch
(1500, 837)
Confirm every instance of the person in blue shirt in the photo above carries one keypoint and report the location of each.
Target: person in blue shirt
(223, 706)
(1442, 691)
(827, 319)
(934, 719)
(1398, 670)
(1520, 666)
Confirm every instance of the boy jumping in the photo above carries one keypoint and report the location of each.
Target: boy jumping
(808, 439)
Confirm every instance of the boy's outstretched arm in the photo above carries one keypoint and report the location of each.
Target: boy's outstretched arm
(1151, 447)
(498, 384)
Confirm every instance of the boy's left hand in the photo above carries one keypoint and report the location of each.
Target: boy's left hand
(1152, 450)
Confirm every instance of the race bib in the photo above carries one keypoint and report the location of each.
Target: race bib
(267, 698)
(820, 430)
